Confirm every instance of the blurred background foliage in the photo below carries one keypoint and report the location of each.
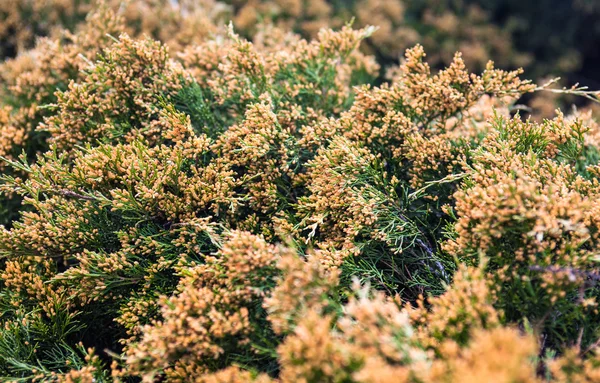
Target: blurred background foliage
(548, 38)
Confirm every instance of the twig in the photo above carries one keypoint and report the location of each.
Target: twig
(579, 339)
(591, 347)
(448, 179)
(72, 194)
(576, 90)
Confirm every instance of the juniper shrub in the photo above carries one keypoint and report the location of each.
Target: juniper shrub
(208, 208)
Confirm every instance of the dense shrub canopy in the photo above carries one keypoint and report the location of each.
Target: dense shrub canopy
(186, 201)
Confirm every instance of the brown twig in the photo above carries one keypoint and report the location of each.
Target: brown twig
(72, 194)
